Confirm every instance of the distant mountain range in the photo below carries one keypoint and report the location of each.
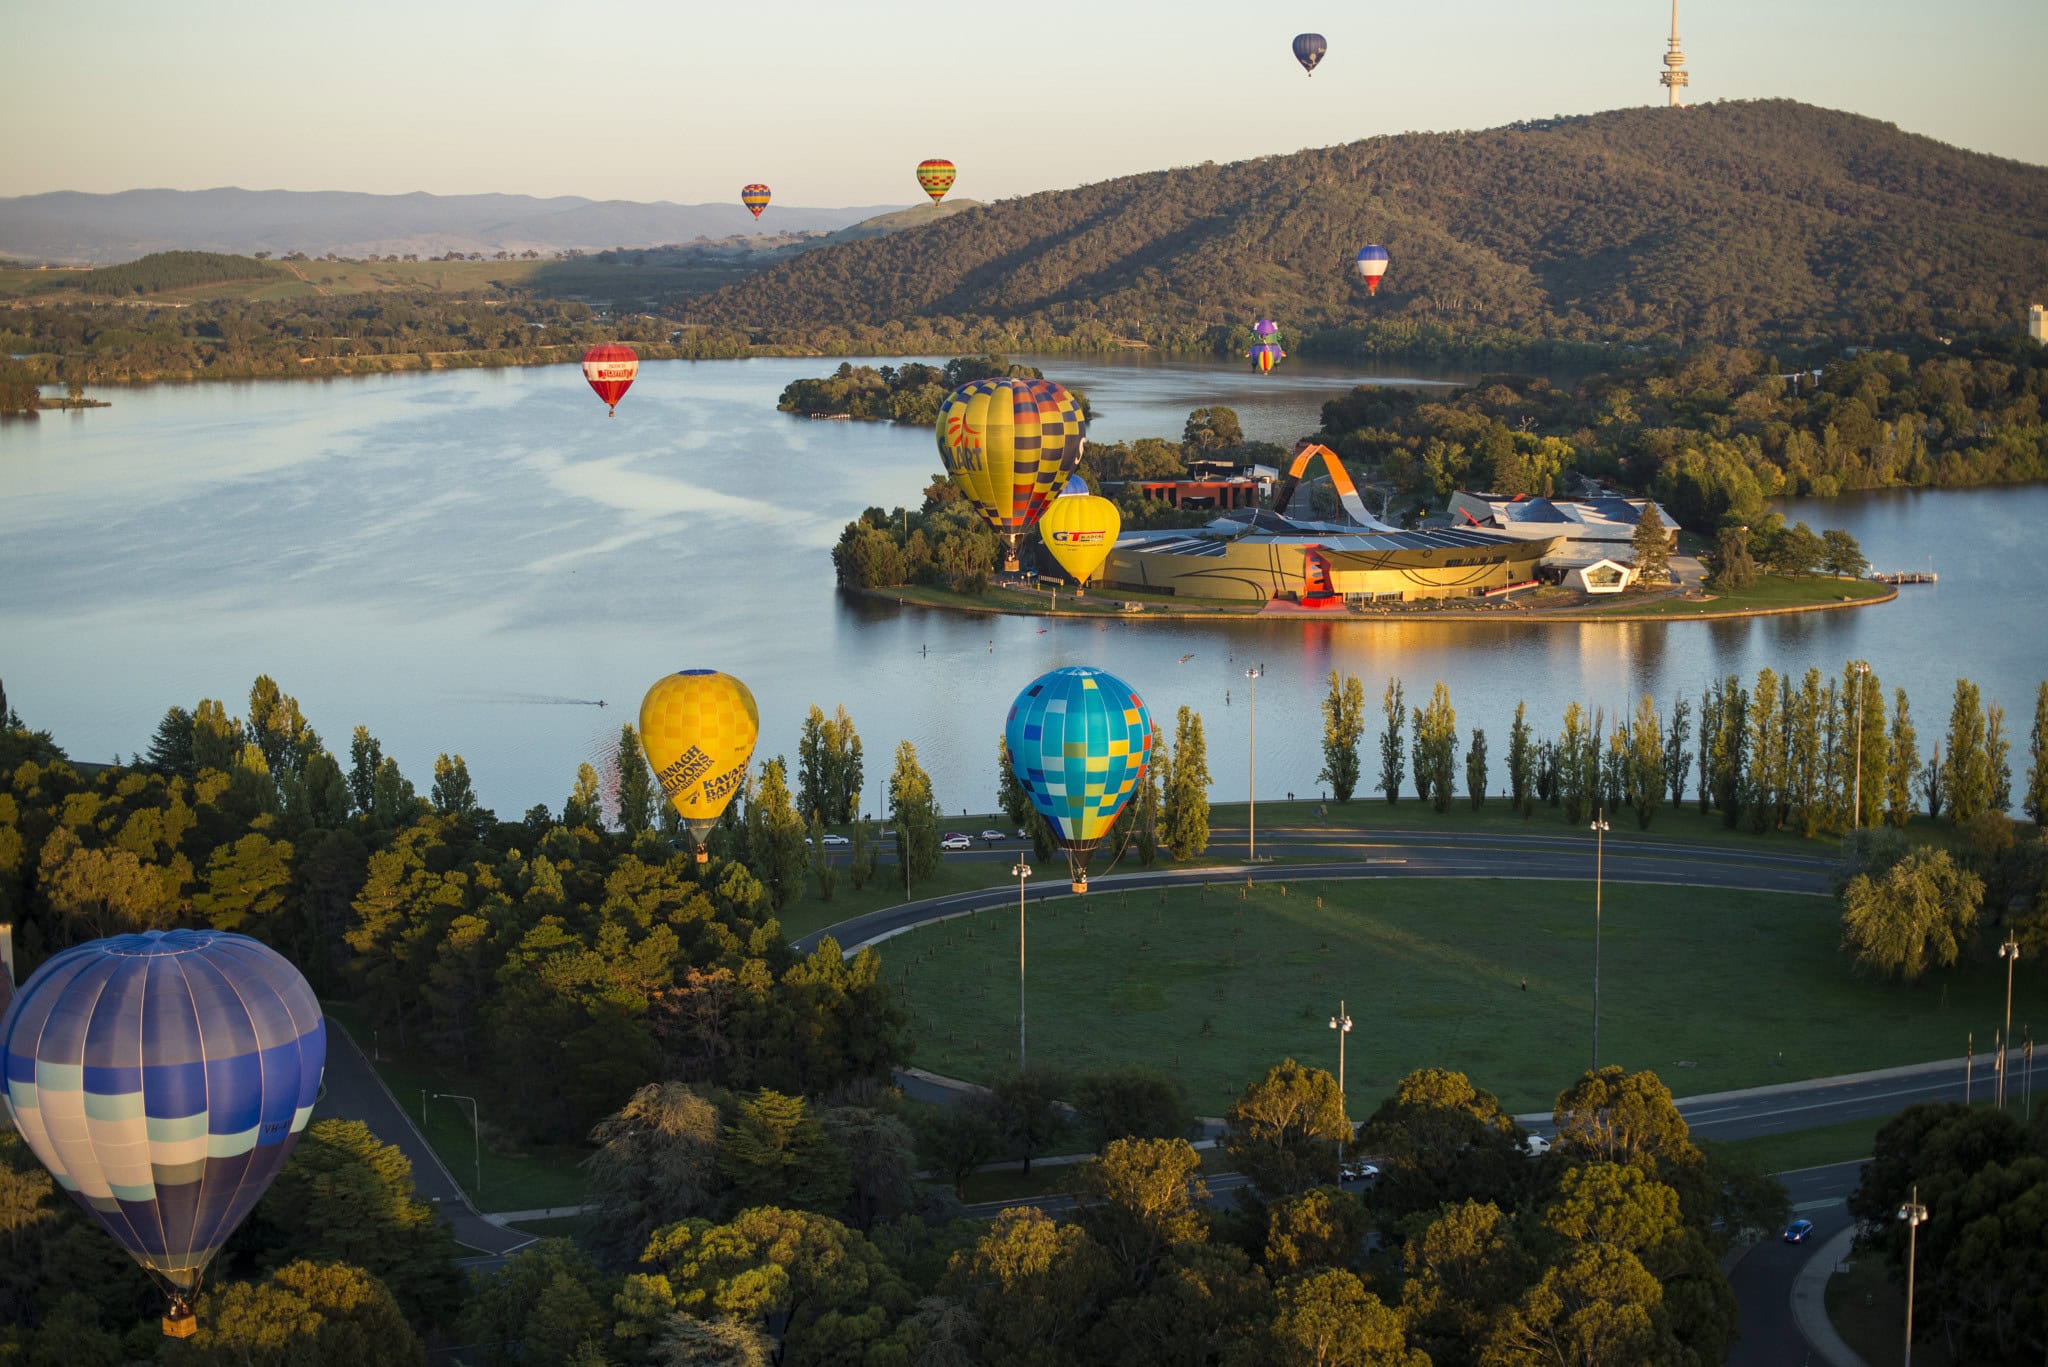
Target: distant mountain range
(1746, 221)
(73, 228)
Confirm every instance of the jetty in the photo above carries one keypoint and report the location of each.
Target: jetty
(1907, 577)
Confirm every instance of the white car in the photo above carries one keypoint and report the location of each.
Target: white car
(1538, 1145)
(993, 835)
(1360, 1172)
(956, 842)
(832, 840)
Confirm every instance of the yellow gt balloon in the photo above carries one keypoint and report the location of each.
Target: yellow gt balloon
(1080, 531)
(1011, 443)
(698, 727)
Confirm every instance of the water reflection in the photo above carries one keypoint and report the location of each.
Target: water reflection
(394, 548)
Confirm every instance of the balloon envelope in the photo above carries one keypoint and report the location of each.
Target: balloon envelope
(698, 727)
(1372, 264)
(1265, 327)
(1011, 443)
(610, 368)
(936, 177)
(163, 1079)
(1079, 740)
(1080, 530)
(755, 197)
(1308, 50)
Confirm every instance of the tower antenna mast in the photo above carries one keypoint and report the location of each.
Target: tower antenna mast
(1674, 77)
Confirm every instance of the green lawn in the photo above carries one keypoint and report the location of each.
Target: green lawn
(1843, 1143)
(1713, 990)
(1869, 1312)
(515, 1177)
(1770, 591)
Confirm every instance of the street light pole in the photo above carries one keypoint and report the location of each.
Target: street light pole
(1600, 829)
(1856, 816)
(1969, 1062)
(1252, 789)
(1023, 871)
(2010, 952)
(1915, 1215)
(475, 1135)
(1341, 1023)
(2027, 1087)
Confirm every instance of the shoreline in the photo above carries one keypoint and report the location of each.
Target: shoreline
(1561, 617)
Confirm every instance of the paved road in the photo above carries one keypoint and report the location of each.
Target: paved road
(1763, 1277)
(353, 1091)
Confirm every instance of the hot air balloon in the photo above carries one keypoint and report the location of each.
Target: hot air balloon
(1010, 443)
(1372, 264)
(610, 368)
(755, 197)
(1080, 530)
(1308, 50)
(163, 1079)
(1079, 740)
(935, 177)
(698, 728)
(1266, 352)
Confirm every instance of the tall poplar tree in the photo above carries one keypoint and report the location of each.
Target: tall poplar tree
(1646, 749)
(1967, 772)
(1902, 762)
(1392, 751)
(636, 785)
(1867, 745)
(914, 811)
(1764, 779)
(1343, 728)
(1677, 751)
(1571, 782)
(1730, 749)
(1435, 748)
(1521, 758)
(1475, 769)
(1997, 758)
(1185, 823)
(2036, 800)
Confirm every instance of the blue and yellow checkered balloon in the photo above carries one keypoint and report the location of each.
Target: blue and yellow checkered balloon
(1079, 740)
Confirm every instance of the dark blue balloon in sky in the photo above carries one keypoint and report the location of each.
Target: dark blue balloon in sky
(1308, 50)
(163, 1078)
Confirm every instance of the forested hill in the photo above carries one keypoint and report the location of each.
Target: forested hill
(1740, 222)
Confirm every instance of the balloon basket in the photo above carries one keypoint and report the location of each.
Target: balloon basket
(180, 1323)
(1079, 885)
(703, 855)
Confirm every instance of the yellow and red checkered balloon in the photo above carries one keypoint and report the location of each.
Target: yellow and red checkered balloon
(1010, 443)
(698, 727)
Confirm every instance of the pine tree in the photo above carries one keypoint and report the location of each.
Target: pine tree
(1185, 812)
(636, 785)
(364, 755)
(1343, 728)
(1652, 550)
(1521, 779)
(1902, 762)
(1391, 748)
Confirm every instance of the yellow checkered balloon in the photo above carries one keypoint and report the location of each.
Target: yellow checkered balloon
(698, 727)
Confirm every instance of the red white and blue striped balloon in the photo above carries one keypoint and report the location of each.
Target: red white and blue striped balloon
(1372, 264)
(163, 1079)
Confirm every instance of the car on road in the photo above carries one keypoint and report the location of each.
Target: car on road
(1360, 1172)
(956, 841)
(993, 835)
(1538, 1145)
(836, 840)
(1796, 1232)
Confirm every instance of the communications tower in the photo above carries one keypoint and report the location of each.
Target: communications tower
(1674, 78)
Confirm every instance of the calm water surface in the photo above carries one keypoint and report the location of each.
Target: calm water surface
(455, 560)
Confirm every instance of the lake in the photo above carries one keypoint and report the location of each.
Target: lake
(464, 561)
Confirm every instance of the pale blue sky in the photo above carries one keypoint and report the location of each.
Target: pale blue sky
(833, 102)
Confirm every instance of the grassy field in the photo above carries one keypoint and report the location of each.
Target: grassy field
(1869, 1312)
(1843, 1143)
(1770, 592)
(515, 1177)
(1713, 990)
